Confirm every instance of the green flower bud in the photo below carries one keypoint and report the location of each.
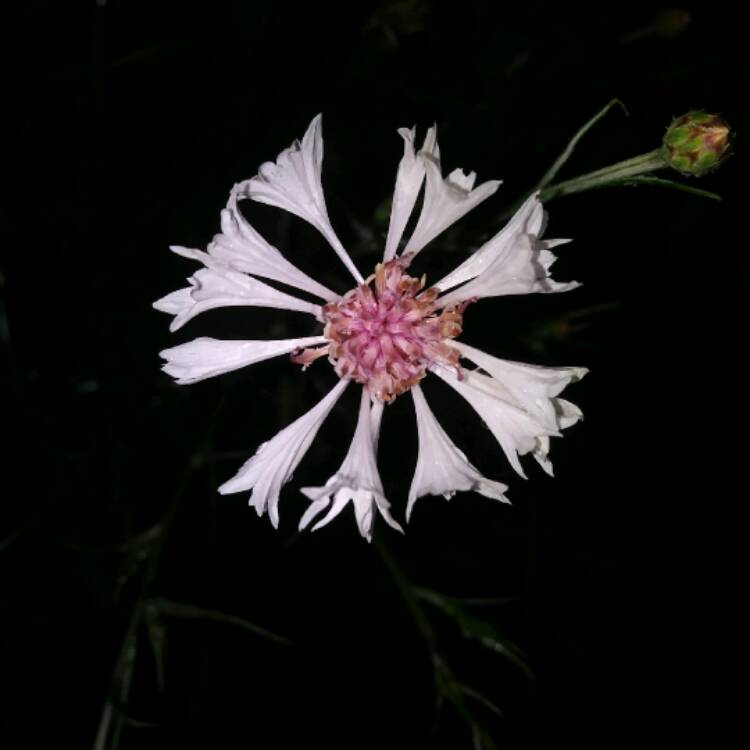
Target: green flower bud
(696, 143)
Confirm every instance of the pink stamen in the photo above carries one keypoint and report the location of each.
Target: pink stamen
(385, 336)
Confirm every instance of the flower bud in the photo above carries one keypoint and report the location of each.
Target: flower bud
(696, 143)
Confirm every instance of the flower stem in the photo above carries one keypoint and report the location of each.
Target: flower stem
(405, 588)
(638, 165)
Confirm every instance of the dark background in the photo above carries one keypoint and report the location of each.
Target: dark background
(128, 124)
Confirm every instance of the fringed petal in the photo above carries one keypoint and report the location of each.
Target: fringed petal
(243, 249)
(517, 402)
(529, 387)
(275, 461)
(206, 357)
(446, 200)
(409, 178)
(293, 182)
(220, 286)
(357, 480)
(514, 261)
(529, 219)
(443, 469)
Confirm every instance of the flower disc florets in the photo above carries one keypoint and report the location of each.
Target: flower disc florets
(385, 332)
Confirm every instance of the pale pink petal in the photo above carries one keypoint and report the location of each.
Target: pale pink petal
(518, 402)
(275, 461)
(567, 414)
(529, 219)
(206, 357)
(175, 302)
(376, 417)
(446, 200)
(293, 183)
(522, 267)
(357, 480)
(530, 387)
(409, 178)
(314, 509)
(442, 469)
(220, 286)
(516, 431)
(243, 249)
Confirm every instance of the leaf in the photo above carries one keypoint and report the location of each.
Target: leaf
(157, 636)
(190, 612)
(568, 150)
(454, 691)
(661, 182)
(479, 630)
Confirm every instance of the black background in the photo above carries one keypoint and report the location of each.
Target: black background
(128, 123)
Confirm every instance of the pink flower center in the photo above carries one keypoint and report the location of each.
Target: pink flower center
(386, 332)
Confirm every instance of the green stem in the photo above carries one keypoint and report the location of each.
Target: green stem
(638, 165)
(551, 173)
(404, 588)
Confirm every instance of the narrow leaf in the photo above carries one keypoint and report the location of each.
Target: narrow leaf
(565, 155)
(188, 611)
(661, 182)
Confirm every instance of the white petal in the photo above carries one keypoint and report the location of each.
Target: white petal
(529, 219)
(293, 183)
(529, 387)
(446, 200)
(516, 431)
(540, 454)
(219, 286)
(206, 357)
(175, 302)
(442, 469)
(315, 507)
(567, 414)
(200, 255)
(523, 267)
(243, 249)
(409, 178)
(357, 480)
(275, 461)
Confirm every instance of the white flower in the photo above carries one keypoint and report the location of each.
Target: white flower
(386, 334)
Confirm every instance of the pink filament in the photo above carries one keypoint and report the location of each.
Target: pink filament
(386, 336)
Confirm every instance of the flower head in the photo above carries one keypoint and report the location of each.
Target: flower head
(696, 143)
(385, 334)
